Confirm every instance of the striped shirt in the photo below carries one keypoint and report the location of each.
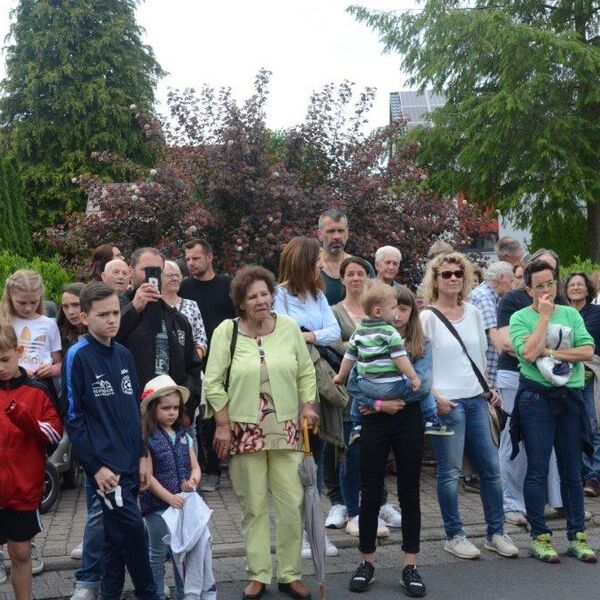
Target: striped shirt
(373, 346)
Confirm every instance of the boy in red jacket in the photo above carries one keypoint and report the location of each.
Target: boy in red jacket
(28, 423)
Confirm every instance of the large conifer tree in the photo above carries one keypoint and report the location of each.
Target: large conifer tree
(15, 234)
(73, 68)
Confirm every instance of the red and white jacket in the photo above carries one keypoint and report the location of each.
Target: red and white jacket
(28, 423)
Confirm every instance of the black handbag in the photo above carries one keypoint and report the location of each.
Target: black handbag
(501, 414)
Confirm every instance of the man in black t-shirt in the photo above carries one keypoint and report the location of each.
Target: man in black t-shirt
(211, 293)
(507, 381)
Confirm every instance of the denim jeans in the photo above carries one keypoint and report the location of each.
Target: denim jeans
(544, 425)
(472, 434)
(89, 574)
(513, 471)
(350, 474)
(591, 465)
(317, 445)
(159, 553)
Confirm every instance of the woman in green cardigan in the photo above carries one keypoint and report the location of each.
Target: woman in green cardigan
(259, 406)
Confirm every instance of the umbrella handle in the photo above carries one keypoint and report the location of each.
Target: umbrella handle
(305, 437)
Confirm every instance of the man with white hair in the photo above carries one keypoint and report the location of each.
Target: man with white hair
(117, 274)
(497, 282)
(387, 264)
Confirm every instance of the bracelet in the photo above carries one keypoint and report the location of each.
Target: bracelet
(378, 404)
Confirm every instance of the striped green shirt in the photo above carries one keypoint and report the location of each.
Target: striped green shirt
(373, 346)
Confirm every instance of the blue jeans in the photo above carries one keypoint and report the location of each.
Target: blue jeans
(545, 425)
(159, 553)
(401, 388)
(472, 434)
(317, 445)
(350, 474)
(591, 465)
(89, 574)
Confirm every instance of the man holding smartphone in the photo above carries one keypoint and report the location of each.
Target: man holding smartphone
(159, 337)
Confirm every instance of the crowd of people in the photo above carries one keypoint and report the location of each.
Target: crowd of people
(163, 371)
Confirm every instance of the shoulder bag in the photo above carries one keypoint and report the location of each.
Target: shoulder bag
(500, 414)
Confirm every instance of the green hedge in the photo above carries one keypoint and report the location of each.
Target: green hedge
(579, 264)
(54, 275)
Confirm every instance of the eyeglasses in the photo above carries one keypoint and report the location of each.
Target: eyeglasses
(538, 287)
(172, 275)
(459, 274)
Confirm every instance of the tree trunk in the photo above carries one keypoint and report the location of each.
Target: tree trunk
(593, 230)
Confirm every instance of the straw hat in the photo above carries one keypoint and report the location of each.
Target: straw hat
(159, 386)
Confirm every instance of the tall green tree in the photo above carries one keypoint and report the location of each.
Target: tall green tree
(15, 234)
(73, 70)
(521, 126)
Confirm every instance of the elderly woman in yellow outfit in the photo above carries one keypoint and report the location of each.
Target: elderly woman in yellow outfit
(260, 383)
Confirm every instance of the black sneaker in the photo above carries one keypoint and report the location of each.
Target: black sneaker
(411, 582)
(363, 577)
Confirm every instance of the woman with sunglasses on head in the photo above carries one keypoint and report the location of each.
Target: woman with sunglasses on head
(461, 403)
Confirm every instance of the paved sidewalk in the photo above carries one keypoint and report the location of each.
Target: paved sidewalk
(63, 530)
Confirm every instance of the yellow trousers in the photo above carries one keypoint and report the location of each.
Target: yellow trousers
(251, 476)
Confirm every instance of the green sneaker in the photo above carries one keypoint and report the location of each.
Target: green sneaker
(580, 549)
(541, 548)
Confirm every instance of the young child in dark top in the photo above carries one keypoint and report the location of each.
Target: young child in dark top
(28, 423)
(103, 423)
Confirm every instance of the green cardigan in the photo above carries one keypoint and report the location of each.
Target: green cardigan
(291, 372)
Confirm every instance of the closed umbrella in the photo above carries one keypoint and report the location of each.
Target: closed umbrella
(313, 518)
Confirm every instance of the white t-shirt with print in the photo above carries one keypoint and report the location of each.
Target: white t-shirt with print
(40, 337)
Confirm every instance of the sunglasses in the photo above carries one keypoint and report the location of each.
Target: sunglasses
(459, 274)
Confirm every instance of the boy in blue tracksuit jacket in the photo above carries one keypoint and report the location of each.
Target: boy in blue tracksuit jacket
(103, 423)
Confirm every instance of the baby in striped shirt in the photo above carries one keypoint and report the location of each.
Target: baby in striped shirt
(384, 370)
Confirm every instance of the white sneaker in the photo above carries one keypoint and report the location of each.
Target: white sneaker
(352, 526)
(84, 594)
(3, 575)
(502, 544)
(37, 562)
(390, 516)
(382, 530)
(330, 547)
(460, 546)
(514, 517)
(337, 517)
(77, 552)
(306, 550)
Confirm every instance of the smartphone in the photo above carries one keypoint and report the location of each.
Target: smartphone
(153, 276)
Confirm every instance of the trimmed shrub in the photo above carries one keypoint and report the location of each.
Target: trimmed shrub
(54, 275)
(579, 264)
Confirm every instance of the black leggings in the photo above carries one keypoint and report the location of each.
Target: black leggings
(403, 434)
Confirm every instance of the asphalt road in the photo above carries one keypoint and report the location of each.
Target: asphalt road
(520, 579)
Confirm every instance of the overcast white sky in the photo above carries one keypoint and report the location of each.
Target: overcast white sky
(305, 43)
